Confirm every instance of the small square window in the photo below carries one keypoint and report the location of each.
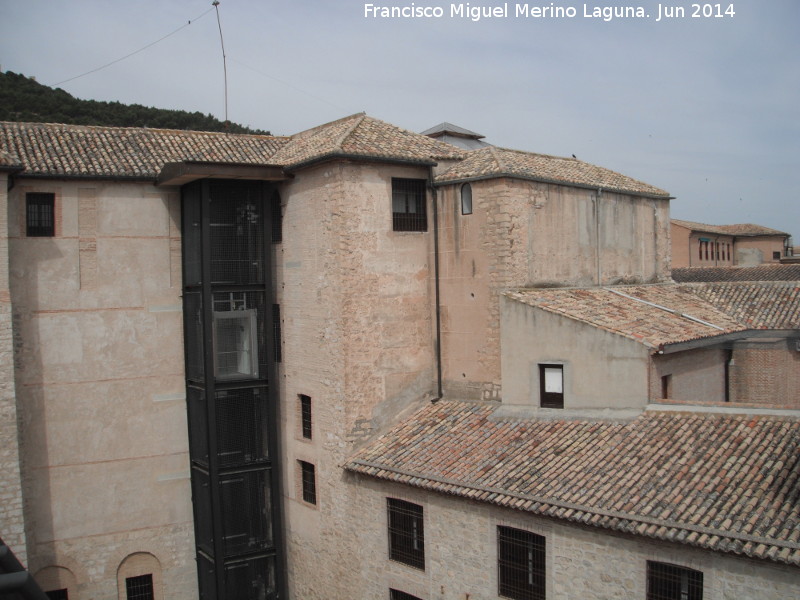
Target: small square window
(671, 582)
(551, 386)
(776, 256)
(406, 533)
(40, 215)
(308, 482)
(305, 416)
(408, 205)
(520, 564)
(139, 588)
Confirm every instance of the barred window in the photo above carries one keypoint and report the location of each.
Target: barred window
(309, 482)
(62, 594)
(139, 588)
(398, 595)
(40, 215)
(406, 533)
(520, 564)
(671, 582)
(305, 416)
(408, 205)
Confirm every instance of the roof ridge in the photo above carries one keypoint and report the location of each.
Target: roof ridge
(312, 130)
(493, 151)
(131, 128)
(348, 132)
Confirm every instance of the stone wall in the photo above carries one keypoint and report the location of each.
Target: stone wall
(581, 562)
(100, 384)
(12, 523)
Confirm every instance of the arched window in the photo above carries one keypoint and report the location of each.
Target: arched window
(139, 578)
(466, 199)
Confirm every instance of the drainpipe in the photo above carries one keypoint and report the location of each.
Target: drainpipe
(438, 311)
(597, 198)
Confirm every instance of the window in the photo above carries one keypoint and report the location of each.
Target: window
(671, 582)
(406, 533)
(305, 416)
(140, 587)
(276, 331)
(520, 564)
(40, 215)
(466, 199)
(551, 386)
(62, 594)
(309, 482)
(776, 256)
(408, 205)
(235, 344)
(398, 595)
(666, 386)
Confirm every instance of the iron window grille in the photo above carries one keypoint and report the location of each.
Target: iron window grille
(520, 564)
(409, 212)
(40, 214)
(551, 386)
(62, 594)
(398, 595)
(305, 416)
(671, 582)
(406, 533)
(308, 482)
(139, 588)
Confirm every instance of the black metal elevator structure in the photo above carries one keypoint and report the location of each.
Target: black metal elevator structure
(230, 388)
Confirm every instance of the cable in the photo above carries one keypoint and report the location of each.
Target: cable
(136, 52)
(215, 4)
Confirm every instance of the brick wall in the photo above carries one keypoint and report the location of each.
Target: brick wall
(766, 372)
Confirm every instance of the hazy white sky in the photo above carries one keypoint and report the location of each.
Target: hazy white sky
(705, 108)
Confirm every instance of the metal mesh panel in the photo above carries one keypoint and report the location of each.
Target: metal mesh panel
(671, 582)
(193, 332)
(239, 335)
(206, 578)
(201, 494)
(406, 533)
(409, 212)
(253, 579)
(198, 429)
(139, 587)
(237, 233)
(246, 507)
(520, 564)
(242, 427)
(192, 235)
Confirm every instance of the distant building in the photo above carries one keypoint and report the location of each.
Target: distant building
(701, 245)
(360, 362)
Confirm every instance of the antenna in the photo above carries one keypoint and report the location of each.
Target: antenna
(215, 4)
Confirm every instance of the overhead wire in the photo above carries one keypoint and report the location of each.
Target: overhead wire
(113, 62)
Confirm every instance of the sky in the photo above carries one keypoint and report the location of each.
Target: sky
(704, 107)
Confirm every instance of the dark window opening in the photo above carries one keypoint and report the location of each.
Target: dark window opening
(305, 416)
(40, 215)
(276, 331)
(398, 595)
(666, 386)
(671, 582)
(139, 588)
(406, 533)
(62, 594)
(277, 218)
(466, 199)
(551, 386)
(776, 255)
(520, 564)
(309, 482)
(408, 205)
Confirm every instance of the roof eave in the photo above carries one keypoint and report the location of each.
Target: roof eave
(333, 156)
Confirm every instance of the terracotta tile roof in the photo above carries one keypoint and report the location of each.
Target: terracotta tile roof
(789, 272)
(728, 483)
(620, 310)
(684, 312)
(764, 305)
(499, 162)
(363, 136)
(742, 229)
(88, 151)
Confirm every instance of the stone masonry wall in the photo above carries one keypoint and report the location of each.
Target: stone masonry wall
(12, 525)
(581, 562)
